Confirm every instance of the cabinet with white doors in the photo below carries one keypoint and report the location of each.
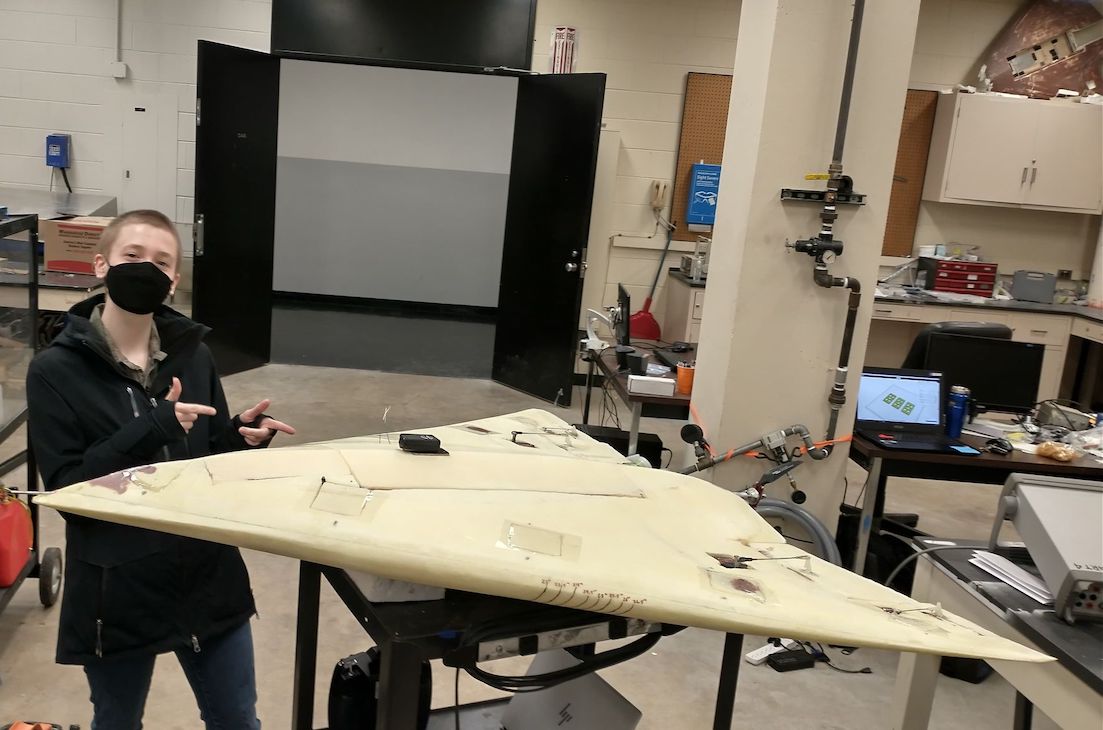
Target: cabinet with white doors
(1011, 152)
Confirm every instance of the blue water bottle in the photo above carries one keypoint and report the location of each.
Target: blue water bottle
(955, 413)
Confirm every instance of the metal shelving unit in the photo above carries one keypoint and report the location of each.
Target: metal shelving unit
(44, 565)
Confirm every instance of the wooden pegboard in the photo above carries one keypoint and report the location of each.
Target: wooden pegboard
(704, 122)
(911, 169)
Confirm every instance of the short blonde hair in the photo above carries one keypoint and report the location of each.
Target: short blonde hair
(154, 218)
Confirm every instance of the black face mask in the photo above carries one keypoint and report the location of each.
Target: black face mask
(137, 287)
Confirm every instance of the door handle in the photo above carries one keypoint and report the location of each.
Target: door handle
(1033, 175)
(197, 235)
(1024, 176)
(571, 268)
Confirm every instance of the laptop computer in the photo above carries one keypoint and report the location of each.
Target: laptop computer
(902, 409)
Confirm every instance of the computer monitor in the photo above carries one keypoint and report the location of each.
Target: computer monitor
(624, 342)
(1001, 375)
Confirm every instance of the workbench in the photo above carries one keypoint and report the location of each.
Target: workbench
(985, 468)
(1068, 691)
(659, 406)
(411, 632)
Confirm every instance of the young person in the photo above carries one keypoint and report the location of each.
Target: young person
(129, 382)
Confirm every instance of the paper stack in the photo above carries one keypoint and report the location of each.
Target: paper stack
(1013, 576)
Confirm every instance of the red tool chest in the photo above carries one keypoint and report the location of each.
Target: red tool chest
(962, 277)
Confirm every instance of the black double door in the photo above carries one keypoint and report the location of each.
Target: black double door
(556, 130)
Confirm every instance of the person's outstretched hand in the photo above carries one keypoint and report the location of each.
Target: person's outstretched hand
(266, 429)
(186, 413)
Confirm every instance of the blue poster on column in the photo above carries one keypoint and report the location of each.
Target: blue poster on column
(704, 187)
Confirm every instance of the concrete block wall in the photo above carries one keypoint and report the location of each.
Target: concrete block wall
(646, 48)
(55, 77)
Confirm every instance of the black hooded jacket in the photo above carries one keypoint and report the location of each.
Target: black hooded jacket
(128, 590)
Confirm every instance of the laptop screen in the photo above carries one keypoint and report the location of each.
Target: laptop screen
(906, 398)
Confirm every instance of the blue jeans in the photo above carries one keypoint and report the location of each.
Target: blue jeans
(221, 675)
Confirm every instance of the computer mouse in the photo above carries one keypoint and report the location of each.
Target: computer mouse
(999, 446)
(681, 347)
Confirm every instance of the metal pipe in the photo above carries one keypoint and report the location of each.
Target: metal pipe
(848, 83)
(799, 429)
(825, 242)
(851, 317)
(837, 397)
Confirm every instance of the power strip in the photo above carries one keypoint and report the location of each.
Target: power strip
(759, 656)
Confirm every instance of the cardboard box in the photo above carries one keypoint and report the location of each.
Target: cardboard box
(72, 243)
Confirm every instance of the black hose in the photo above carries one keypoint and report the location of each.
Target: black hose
(535, 683)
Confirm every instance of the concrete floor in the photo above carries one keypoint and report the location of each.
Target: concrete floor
(673, 685)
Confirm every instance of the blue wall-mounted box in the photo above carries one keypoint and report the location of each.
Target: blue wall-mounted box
(704, 188)
(57, 150)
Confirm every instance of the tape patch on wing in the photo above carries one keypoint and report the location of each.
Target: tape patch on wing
(516, 536)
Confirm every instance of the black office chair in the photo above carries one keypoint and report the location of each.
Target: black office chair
(917, 355)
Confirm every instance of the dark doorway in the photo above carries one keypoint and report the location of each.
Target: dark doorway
(235, 202)
(551, 188)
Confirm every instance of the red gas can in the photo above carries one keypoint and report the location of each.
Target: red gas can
(16, 537)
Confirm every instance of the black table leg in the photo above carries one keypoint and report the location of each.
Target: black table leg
(589, 386)
(1024, 713)
(399, 686)
(729, 675)
(306, 647)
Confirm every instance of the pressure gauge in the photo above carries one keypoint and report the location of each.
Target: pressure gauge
(828, 257)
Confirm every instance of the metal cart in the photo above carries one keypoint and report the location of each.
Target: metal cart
(45, 566)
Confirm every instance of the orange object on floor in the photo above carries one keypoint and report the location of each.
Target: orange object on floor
(16, 538)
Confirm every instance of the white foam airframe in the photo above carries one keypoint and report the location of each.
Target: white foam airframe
(547, 515)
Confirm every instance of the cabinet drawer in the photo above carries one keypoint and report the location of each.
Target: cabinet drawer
(904, 312)
(977, 288)
(979, 314)
(966, 277)
(698, 305)
(1040, 328)
(972, 267)
(1087, 330)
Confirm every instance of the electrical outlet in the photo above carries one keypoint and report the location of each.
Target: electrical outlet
(1064, 274)
(658, 195)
